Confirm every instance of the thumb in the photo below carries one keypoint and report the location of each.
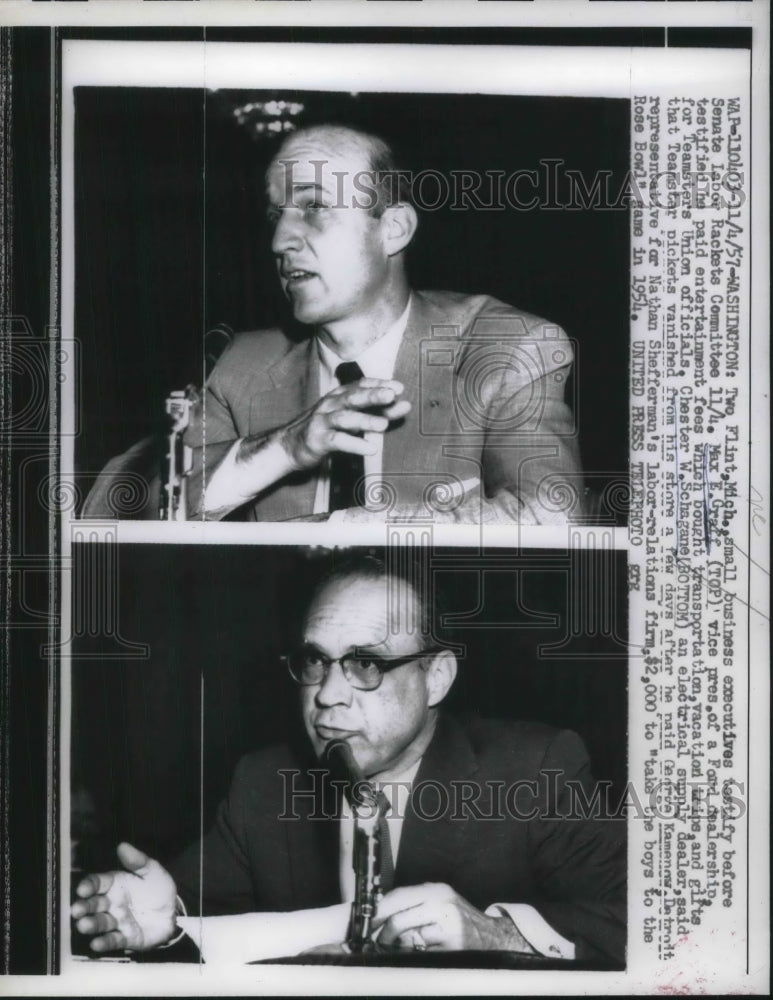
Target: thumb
(131, 858)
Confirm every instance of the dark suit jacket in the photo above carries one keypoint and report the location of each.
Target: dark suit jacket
(572, 870)
(487, 385)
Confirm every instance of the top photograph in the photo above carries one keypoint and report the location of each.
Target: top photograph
(300, 305)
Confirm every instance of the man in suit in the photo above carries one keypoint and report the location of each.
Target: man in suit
(434, 403)
(489, 837)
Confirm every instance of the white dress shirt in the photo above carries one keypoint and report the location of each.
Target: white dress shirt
(376, 361)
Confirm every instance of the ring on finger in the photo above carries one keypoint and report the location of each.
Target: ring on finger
(417, 941)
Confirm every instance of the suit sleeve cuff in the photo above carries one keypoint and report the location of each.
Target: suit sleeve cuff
(534, 929)
(233, 483)
(180, 911)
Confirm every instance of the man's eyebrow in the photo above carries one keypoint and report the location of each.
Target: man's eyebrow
(377, 648)
(298, 187)
(292, 190)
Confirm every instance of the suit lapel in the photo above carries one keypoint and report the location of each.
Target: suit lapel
(313, 846)
(425, 365)
(298, 371)
(294, 381)
(431, 849)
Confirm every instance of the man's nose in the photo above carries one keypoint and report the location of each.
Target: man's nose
(288, 234)
(335, 689)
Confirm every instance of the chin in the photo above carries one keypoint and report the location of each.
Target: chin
(304, 316)
(308, 313)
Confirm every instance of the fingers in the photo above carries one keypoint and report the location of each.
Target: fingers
(95, 884)
(417, 917)
(366, 393)
(339, 441)
(358, 422)
(405, 898)
(99, 883)
(96, 904)
(131, 858)
(346, 409)
(97, 923)
(131, 909)
(114, 941)
(343, 420)
(396, 930)
(375, 384)
(397, 410)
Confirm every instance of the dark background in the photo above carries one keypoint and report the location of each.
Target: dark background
(30, 670)
(225, 614)
(171, 240)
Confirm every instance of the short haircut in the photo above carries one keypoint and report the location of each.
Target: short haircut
(400, 569)
(390, 184)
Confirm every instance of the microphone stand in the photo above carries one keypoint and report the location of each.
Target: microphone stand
(178, 460)
(366, 856)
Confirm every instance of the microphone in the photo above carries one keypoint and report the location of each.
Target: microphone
(338, 756)
(366, 857)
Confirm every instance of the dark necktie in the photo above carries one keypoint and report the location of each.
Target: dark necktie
(387, 864)
(346, 470)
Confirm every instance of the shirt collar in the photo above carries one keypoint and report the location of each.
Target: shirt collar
(378, 359)
(396, 789)
(404, 777)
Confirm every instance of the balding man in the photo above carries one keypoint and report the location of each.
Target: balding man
(495, 839)
(427, 404)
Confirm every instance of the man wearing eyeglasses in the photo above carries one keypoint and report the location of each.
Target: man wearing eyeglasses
(532, 878)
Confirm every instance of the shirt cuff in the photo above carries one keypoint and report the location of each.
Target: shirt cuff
(256, 937)
(535, 929)
(233, 483)
(180, 912)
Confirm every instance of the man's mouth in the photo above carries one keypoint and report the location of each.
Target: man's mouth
(333, 733)
(296, 276)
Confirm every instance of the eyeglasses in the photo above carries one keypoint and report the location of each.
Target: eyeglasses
(309, 666)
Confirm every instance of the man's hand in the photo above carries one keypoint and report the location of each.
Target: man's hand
(336, 422)
(132, 909)
(434, 916)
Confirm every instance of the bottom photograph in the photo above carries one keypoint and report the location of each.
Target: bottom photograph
(354, 756)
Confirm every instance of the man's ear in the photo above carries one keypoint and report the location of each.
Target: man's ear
(399, 223)
(441, 674)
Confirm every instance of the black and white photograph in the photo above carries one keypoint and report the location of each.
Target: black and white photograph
(268, 697)
(467, 254)
(384, 403)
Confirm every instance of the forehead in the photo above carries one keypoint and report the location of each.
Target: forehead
(317, 159)
(363, 610)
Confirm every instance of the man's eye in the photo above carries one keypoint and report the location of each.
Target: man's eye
(368, 664)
